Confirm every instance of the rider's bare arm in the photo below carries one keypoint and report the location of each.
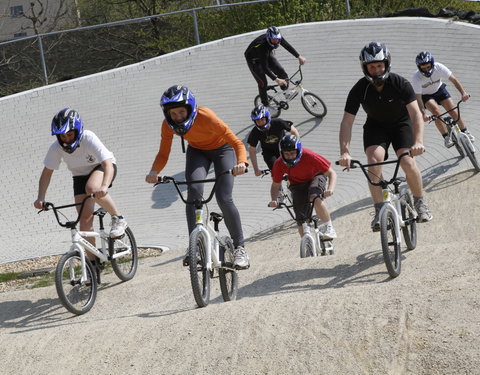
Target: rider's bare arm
(274, 193)
(417, 126)
(345, 137)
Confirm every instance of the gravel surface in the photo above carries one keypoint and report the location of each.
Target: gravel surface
(339, 314)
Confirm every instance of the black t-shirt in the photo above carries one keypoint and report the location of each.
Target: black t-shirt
(383, 108)
(269, 140)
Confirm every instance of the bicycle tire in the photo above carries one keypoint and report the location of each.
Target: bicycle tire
(126, 266)
(199, 275)
(390, 243)
(410, 229)
(314, 105)
(228, 277)
(307, 246)
(458, 146)
(273, 106)
(75, 297)
(470, 151)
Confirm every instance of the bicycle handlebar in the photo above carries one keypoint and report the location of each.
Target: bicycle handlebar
(197, 203)
(439, 117)
(68, 224)
(382, 182)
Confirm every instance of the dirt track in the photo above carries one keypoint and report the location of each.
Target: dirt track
(327, 315)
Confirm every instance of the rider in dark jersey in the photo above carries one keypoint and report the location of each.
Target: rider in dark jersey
(268, 131)
(262, 62)
(393, 117)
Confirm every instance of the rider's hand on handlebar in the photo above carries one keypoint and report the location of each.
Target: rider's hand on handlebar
(465, 97)
(239, 169)
(302, 60)
(152, 177)
(38, 204)
(273, 204)
(345, 160)
(417, 149)
(258, 172)
(281, 82)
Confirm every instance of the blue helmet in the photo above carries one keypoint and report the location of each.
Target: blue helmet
(290, 143)
(423, 58)
(259, 112)
(375, 52)
(64, 121)
(179, 96)
(273, 32)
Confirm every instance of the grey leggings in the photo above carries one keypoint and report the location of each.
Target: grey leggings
(198, 163)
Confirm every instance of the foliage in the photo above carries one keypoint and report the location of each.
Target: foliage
(79, 53)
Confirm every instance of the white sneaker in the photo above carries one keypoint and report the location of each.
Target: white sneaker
(329, 233)
(448, 141)
(118, 227)
(241, 258)
(469, 135)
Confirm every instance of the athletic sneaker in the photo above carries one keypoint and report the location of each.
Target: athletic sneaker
(376, 222)
(423, 211)
(241, 261)
(330, 233)
(118, 227)
(469, 135)
(448, 141)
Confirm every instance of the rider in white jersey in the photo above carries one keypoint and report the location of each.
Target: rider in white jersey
(431, 92)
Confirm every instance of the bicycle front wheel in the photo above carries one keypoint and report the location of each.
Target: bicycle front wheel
(273, 105)
(458, 146)
(307, 246)
(409, 230)
(125, 266)
(390, 242)
(228, 277)
(470, 151)
(314, 105)
(199, 274)
(76, 296)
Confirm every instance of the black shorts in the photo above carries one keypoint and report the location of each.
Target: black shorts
(399, 136)
(79, 182)
(439, 96)
(301, 194)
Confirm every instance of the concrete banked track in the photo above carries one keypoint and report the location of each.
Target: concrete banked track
(122, 107)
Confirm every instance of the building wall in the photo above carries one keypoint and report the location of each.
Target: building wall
(122, 107)
(13, 24)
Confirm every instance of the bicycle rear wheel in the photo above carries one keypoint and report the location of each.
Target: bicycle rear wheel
(199, 274)
(126, 266)
(470, 151)
(390, 242)
(76, 297)
(410, 228)
(314, 105)
(307, 246)
(228, 277)
(273, 105)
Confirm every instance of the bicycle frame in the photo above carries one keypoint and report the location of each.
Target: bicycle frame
(79, 243)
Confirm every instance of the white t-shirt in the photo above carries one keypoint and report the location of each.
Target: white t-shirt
(89, 153)
(430, 85)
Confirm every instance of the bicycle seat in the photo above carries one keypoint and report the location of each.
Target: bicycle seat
(216, 217)
(100, 212)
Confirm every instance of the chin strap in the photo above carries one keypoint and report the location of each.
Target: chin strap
(183, 144)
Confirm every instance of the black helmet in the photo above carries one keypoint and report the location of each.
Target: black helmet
(423, 58)
(273, 32)
(290, 143)
(179, 96)
(375, 52)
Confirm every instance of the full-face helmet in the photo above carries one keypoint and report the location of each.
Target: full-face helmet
(64, 121)
(273, 32)
(259, 112)
(375, 52)
(423, 58)
(290, 143)
(179, 96)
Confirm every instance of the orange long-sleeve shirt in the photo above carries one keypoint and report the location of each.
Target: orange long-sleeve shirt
(208, 132)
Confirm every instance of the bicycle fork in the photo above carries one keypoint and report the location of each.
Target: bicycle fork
(387, 203)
